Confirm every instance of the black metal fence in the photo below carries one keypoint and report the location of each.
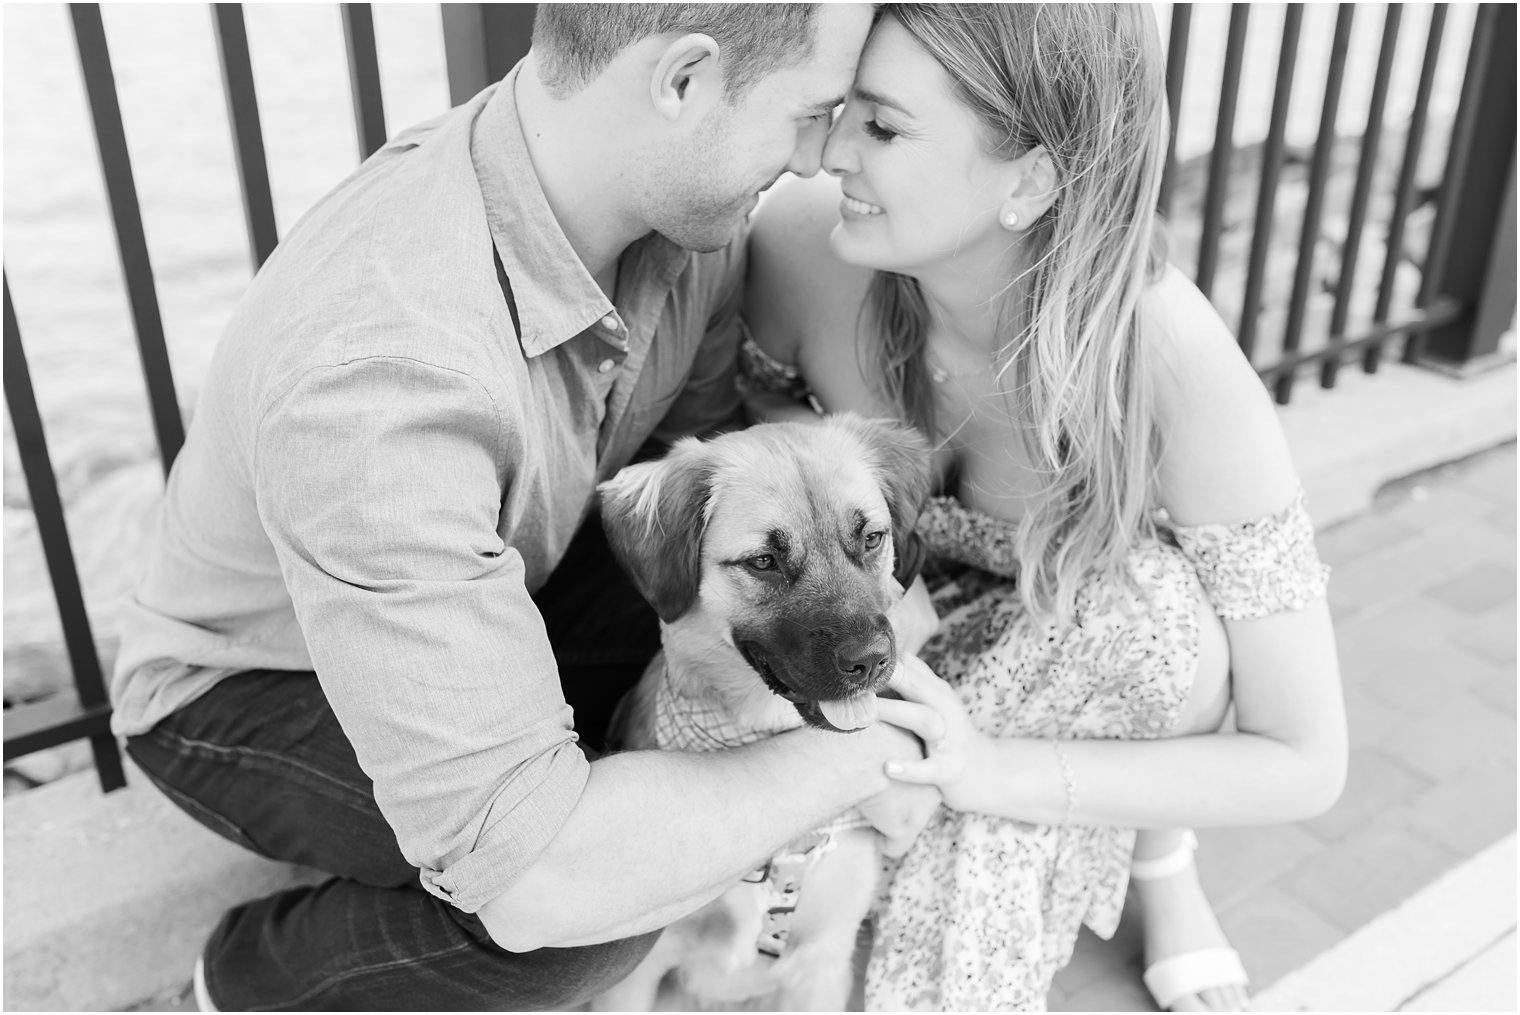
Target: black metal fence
(1466, 299)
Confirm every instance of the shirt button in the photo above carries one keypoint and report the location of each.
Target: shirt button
(611, 323)
(605, 365)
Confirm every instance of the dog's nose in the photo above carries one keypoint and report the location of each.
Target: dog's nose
(863, 660)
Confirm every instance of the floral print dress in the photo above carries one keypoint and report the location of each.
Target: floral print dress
(982, 911)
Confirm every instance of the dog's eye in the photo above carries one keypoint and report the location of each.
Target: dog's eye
(764, 562)
(874, 539)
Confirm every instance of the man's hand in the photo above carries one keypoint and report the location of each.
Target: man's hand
(900, 811)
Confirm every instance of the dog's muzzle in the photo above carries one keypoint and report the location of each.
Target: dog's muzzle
(829, 677)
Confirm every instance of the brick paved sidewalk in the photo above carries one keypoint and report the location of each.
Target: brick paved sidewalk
(1423, 595)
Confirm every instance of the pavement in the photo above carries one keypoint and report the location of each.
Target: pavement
(1402, 896)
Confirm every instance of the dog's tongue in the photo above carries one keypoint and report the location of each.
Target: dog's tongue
(851, 713)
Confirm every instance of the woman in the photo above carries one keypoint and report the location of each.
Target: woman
(1121, 550)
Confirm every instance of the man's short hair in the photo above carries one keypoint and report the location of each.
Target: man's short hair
(575, 42)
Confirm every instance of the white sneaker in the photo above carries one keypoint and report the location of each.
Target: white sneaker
(202, 995)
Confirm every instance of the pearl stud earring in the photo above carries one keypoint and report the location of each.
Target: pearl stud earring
(1011, 220)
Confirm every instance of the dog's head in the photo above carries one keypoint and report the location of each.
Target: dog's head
(783, 536)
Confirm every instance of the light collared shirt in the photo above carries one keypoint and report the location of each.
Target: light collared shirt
(382, 469)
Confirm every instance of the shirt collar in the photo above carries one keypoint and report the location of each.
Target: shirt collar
(556, 296)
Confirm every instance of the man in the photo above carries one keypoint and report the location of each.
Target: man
(343, 652)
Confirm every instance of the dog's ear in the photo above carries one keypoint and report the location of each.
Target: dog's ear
(654, 514)
(903, 466)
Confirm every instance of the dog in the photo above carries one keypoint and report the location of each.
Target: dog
(768, 555)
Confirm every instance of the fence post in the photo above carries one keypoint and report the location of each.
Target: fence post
(1478, 266)
(481, 42)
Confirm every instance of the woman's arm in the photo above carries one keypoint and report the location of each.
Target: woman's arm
(1225, 460)
(1195, 781)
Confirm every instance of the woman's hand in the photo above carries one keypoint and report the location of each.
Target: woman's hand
(959, 757)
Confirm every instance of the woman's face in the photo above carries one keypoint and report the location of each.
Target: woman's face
(920, 191)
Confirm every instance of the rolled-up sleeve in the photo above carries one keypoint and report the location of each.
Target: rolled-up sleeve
(380, 483)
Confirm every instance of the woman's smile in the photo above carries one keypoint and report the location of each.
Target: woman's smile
(852, 208)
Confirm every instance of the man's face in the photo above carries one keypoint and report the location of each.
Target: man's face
(705, 189)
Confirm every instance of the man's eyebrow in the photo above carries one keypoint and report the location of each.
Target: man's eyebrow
(879, 100)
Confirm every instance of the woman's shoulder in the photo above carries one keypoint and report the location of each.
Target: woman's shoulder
(796, 286)
(1224, 455)
(1193, 353)
(1183, 329)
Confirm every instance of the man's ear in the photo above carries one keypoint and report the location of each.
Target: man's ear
(1033, 187)
(654, 514)
(686, 76)
(901, 462)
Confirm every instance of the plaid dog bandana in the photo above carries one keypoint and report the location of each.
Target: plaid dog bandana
(690, 724)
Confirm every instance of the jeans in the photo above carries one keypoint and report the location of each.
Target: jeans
(261, 760)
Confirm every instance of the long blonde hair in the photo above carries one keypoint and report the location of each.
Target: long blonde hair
(1084, 81)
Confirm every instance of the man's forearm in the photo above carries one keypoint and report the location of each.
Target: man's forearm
(657, 834)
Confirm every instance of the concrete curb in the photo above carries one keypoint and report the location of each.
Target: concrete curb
(1369, 430)
(110, 897)
(1486, 982)
(1412, 947)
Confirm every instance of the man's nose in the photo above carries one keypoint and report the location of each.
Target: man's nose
(809, 151)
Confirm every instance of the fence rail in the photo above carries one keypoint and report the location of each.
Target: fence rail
(1466, 298)
(364, 77)
(87, 715)
(126, 217)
